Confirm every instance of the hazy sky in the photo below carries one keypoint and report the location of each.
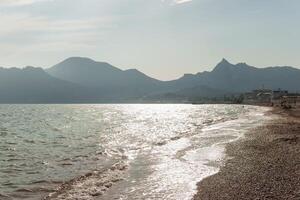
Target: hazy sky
(162, 38)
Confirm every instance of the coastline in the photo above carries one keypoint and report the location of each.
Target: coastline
(265, 164)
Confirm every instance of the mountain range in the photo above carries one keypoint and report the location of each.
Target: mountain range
(82, 80)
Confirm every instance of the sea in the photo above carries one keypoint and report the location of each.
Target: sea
(126, 151)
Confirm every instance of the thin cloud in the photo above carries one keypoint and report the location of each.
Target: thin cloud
(174, 2)
(18, 23)
(19, 2)
(182, 1)
(25, 29)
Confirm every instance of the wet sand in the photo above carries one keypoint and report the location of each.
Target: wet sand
(263, 165)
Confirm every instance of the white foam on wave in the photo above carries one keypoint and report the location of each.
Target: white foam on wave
(186, 161)
(169, 169)
(91, 185)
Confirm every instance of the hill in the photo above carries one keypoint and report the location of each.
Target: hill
(242, 77)
(82, 80)
(34, 85)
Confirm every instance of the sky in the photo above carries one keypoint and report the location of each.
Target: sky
(162, 38)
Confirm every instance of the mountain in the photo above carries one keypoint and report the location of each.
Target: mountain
(85, 71)
(116, 83)
(82, 80)
(242, 77)
(34, 85)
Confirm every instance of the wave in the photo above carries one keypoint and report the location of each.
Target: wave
(91, 184)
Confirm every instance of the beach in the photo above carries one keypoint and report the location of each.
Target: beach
(265, 164)
(116, 151)
(148, 152)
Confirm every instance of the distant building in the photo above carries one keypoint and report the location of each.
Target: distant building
(277, 96)
(260, 96)
(290, 100)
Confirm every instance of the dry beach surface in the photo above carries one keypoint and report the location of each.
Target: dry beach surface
(263, 165)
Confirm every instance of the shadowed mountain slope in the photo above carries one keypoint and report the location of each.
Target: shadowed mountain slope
(242, 77)
(34, 85)
(90, 73)
(117, 84)
(82, 80)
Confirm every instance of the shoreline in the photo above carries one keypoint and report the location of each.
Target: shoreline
(265, 164)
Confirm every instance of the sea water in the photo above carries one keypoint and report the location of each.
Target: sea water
(131, 151)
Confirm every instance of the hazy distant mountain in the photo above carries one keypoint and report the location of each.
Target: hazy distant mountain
(90, 73)
(34, 85)
(82, 80)
(117, 84)
(242, 77)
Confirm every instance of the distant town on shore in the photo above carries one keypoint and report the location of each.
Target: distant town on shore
(277, 98)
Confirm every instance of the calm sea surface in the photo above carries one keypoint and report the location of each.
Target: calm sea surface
(119, 151)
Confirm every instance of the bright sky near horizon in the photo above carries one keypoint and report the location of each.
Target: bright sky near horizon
(162, 38)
